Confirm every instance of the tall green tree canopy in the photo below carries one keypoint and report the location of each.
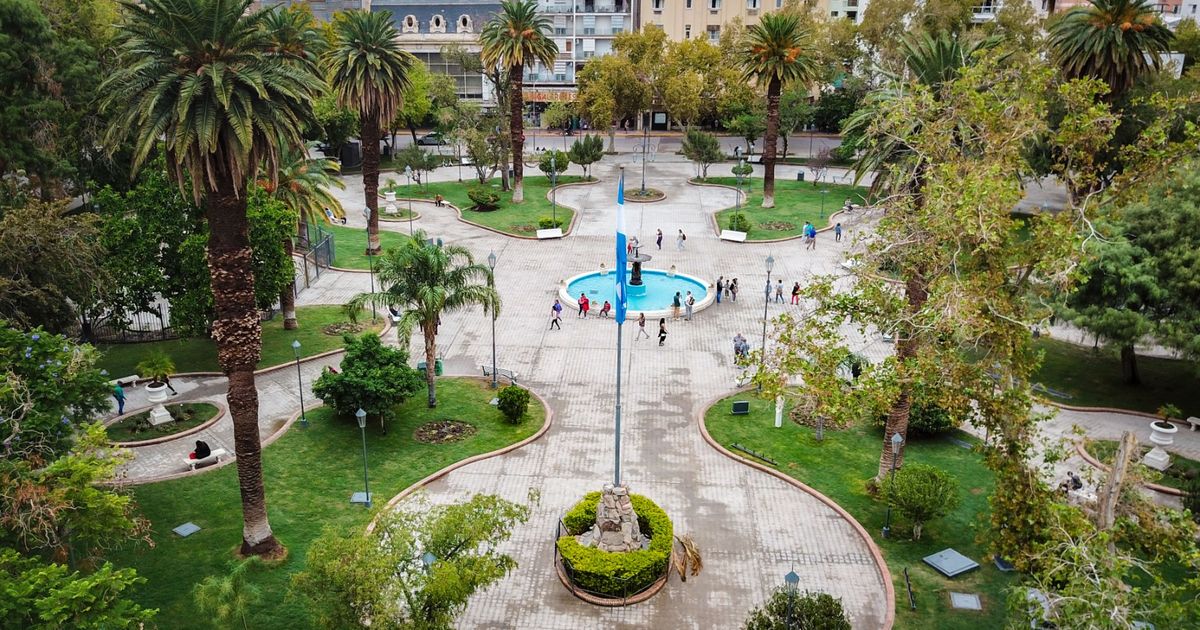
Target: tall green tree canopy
(1116, 41)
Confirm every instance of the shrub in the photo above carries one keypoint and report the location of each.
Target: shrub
(374, 378)
(483, 199)
(787, 610)
(514, 401)
(921, 493)
(843, 153)
(739, 222)
(617, 574)
(156, 367)
(560, 159)
(546, 223)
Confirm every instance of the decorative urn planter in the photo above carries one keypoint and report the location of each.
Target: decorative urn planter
(1163, 433)
(156, 392)
(389, 196)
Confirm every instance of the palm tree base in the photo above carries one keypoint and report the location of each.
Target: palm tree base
(768, 202)
(268, 549)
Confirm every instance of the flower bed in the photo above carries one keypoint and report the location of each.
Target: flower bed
(616, 574)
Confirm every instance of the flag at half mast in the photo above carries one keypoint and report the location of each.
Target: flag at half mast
(622, 301)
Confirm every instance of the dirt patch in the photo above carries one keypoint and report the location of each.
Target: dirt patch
(343, 328)
(524, 228)
(443, 432)
(651, 194)
(779, 226)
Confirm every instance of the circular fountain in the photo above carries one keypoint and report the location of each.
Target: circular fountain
(650, 291)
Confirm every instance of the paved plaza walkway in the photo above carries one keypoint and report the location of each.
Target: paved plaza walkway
(752, 528)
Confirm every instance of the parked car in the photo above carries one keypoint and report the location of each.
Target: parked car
(434, 139)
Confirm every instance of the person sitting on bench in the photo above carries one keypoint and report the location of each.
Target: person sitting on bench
(604, 311)
(1072, 482)
(202, 450)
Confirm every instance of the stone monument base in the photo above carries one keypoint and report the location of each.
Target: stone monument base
(159, 415)
(616, 528)
(1157, 459)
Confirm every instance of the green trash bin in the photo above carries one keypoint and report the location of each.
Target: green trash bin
(437, 367)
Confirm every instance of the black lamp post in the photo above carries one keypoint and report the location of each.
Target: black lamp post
(645, 143)
(492, 265)
(792, 581)
(766, 301)
(363, 497)
(408, 193)
(896, 442)
(824, 191)
(554, 189)
(370, 261)
(300, 383)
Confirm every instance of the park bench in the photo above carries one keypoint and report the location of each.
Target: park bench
(1193, 422)
(125, 380)
(733, 235)
(213, 457)
(550, 233)
(508, 374)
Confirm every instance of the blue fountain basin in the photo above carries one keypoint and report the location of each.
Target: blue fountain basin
(653, 297)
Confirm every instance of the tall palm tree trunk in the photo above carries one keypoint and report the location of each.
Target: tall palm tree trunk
(769, 141)
(370, 168)
(516, 103)
(1129, 367)
(430, 331)
(916, 294)
(287, 296)
(238, 333)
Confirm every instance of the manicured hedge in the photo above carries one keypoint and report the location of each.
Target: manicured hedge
(616, 574)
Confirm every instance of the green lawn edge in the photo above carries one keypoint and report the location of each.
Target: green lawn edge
(119, 431)
(795, 203)
(512, 219)
(839, 468)
(309, 474)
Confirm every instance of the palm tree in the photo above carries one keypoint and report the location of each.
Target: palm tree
(1115, 41)
(425, 281)
(303, 185)
(369, 73)
(199, 78)
(228, 599)
(774, 52)
(513, 38)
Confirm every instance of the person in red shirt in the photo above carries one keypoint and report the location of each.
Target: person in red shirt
(583, 306)
(605, 309)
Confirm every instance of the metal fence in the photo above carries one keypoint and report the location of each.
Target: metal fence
(315, 255)
(137, 327)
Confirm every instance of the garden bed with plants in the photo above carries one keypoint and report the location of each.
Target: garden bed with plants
(616, 575)
(137, 427)
(500, 213)
(795, 203)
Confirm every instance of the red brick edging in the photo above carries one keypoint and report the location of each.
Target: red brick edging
(1095, 463)
(884, 573)
(407, 492)
(222, 410)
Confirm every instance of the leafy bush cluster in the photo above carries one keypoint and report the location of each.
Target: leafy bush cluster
(374, 378)
(513, 402)
(921, 493)
(617, 574)
(483, 199)
(547, 223)
(739, 222)
(789, 610)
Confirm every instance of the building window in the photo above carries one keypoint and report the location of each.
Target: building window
(852, 15)
(560, 78)
(560, 30)
(714, 34)
(833, 13)
(437, 24)
(752, 5)
(410, 24)
(689, 4)
(714, 5)
(657, 5)
(778, 4)
(687, 31)
(464, 24)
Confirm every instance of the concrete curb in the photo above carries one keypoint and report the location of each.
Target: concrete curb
(222, 411)
(884, 573)
(410, 490)
(1095, 463)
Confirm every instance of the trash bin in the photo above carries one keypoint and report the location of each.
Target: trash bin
(800, 176)
(437, 367)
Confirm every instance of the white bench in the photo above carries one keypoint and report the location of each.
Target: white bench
(125, 380)
(213, 457)
(1081, 497)
(1193, 422)
(733, 235)
(551, 233)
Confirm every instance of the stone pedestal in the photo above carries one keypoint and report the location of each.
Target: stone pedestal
(1157, 459)
(159, 415)
(616, 526)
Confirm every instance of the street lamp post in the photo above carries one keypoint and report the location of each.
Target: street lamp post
(896, 442)
(793, 582)
(363, 497)
(766, 301)
(645, 143)
(300, 383)
(371, 262)
(553, 189)
(408, 193)
(741, 165)
(824, 191)
(492, 265)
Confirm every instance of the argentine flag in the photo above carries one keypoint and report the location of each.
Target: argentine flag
(621, 300)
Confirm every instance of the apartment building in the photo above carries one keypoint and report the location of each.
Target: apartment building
(688, 19)
(428, 26)
(583, 30)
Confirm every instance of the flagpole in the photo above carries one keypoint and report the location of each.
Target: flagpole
(622, 304)
(617, 433)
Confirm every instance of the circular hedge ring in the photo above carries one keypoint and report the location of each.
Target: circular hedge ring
(617, 576)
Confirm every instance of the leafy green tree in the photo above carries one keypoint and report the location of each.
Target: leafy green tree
(558, 116)
(219, 106)
(836, 105)
(609, 92)
(702, 148)
(485, 155)
(334, 124)
(749, 126)
(49, 260)
(587, 151)
(416, 104)
(227, 599)
(775, 54)
(790, 610)
(683, 97)
(419, 160)
(373, 377)
(1187, 41)
(921, 493)
(427, 281)
(515, 37)
(369, 72)
(41, 596)
(1115, 41)
(559, 159)
(795, 111)
(350, 578)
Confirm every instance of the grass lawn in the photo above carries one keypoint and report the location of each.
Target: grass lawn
(1093, 379)
(199, 354)
(309, 475)
(187, 415)
(1174, 477)
(840, 466)
(516, 219)
(795, 203)
(350, 245)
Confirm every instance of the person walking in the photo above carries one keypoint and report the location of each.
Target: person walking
(658, 239)
(679, 240)
(837, 233)
(733, 289)
(167, 381)
(119, 394)
(662, 331)
(720, 288)
(688, 305)
(556, 315)
(810, 236)
(676, 303)
(779, 291)
(796, 293)
(582, 307)
(641, 327)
